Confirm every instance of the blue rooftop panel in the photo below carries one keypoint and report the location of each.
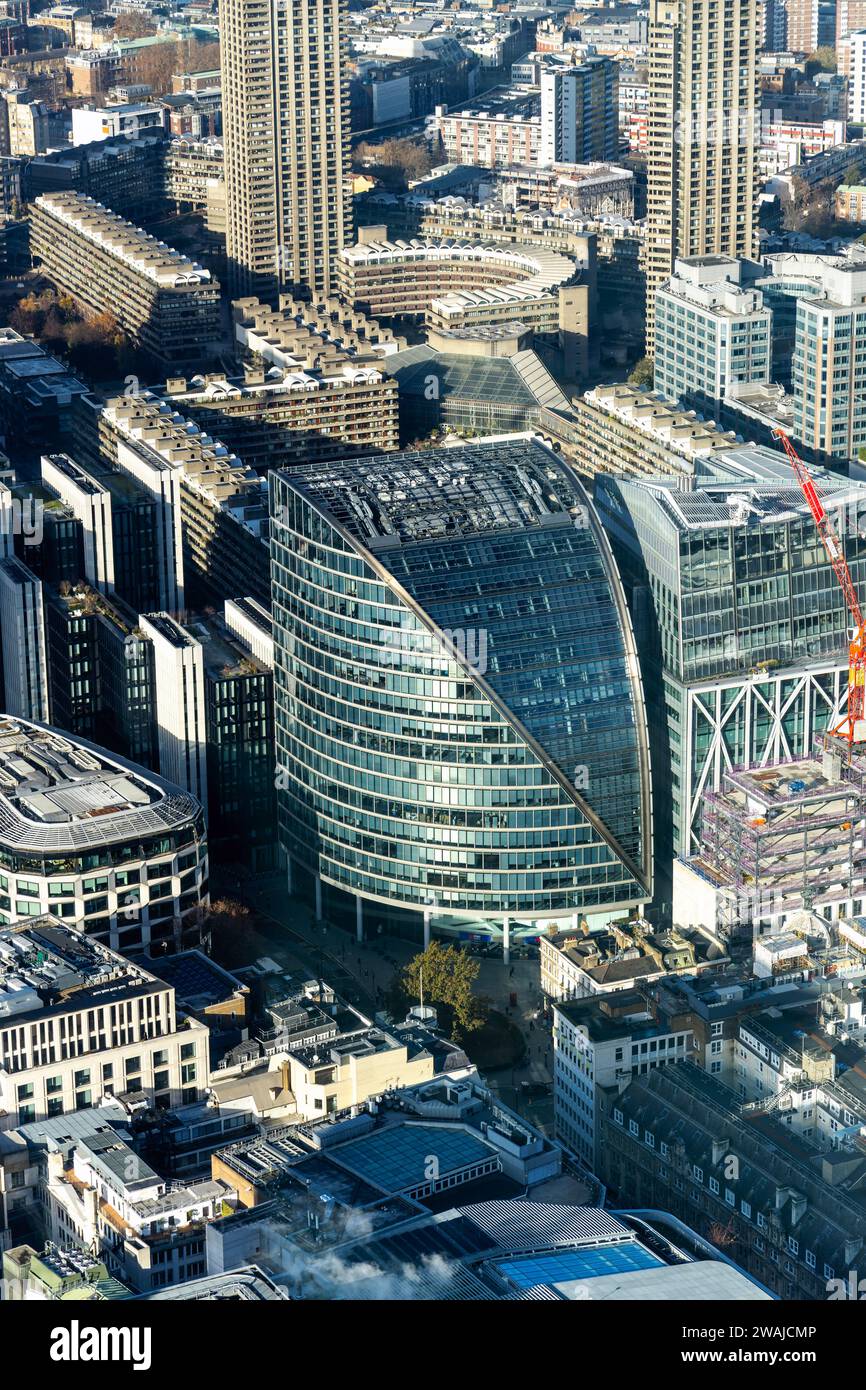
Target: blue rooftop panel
(578, 1264)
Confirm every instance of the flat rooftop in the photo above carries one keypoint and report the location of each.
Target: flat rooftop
(23, 366)
(51, 779)
(113, 147)
(26, 368)
(364, 1042)
(712, 505)
(197, 980)
(47, 967)
(246, 1285)
(98, 479)
(13, 345)
(224, 653)
(780, 784)
(711, 260)
(631, 1019)
(705, 1281)
(170, 630)
(502, 103)
(75, 474)
(59, 793)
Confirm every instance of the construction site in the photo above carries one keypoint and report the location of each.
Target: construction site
(778, 839)
(787, 836)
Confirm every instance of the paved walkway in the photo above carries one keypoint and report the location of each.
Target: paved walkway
(363, 971)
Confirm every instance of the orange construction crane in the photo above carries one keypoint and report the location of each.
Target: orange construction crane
(836, 556)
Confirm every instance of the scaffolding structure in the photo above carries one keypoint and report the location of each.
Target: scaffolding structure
(786, 837)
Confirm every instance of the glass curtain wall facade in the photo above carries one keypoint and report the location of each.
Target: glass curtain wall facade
(740, 621)
(459, 716)
(240, 762)
(781, 295)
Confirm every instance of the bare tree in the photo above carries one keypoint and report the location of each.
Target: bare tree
(133, 26)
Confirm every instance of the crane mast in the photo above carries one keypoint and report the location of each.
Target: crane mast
(836, 555)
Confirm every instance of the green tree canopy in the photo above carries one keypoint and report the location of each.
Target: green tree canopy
(642, 374)
(448, 977)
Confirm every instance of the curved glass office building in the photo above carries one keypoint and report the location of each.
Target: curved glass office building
(460, 719)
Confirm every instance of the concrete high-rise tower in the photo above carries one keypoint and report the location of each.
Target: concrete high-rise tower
(579, 113)
(286, 138)
(802, 34)
(703, 128)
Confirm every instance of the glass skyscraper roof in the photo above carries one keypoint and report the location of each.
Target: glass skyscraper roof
(446, 493)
